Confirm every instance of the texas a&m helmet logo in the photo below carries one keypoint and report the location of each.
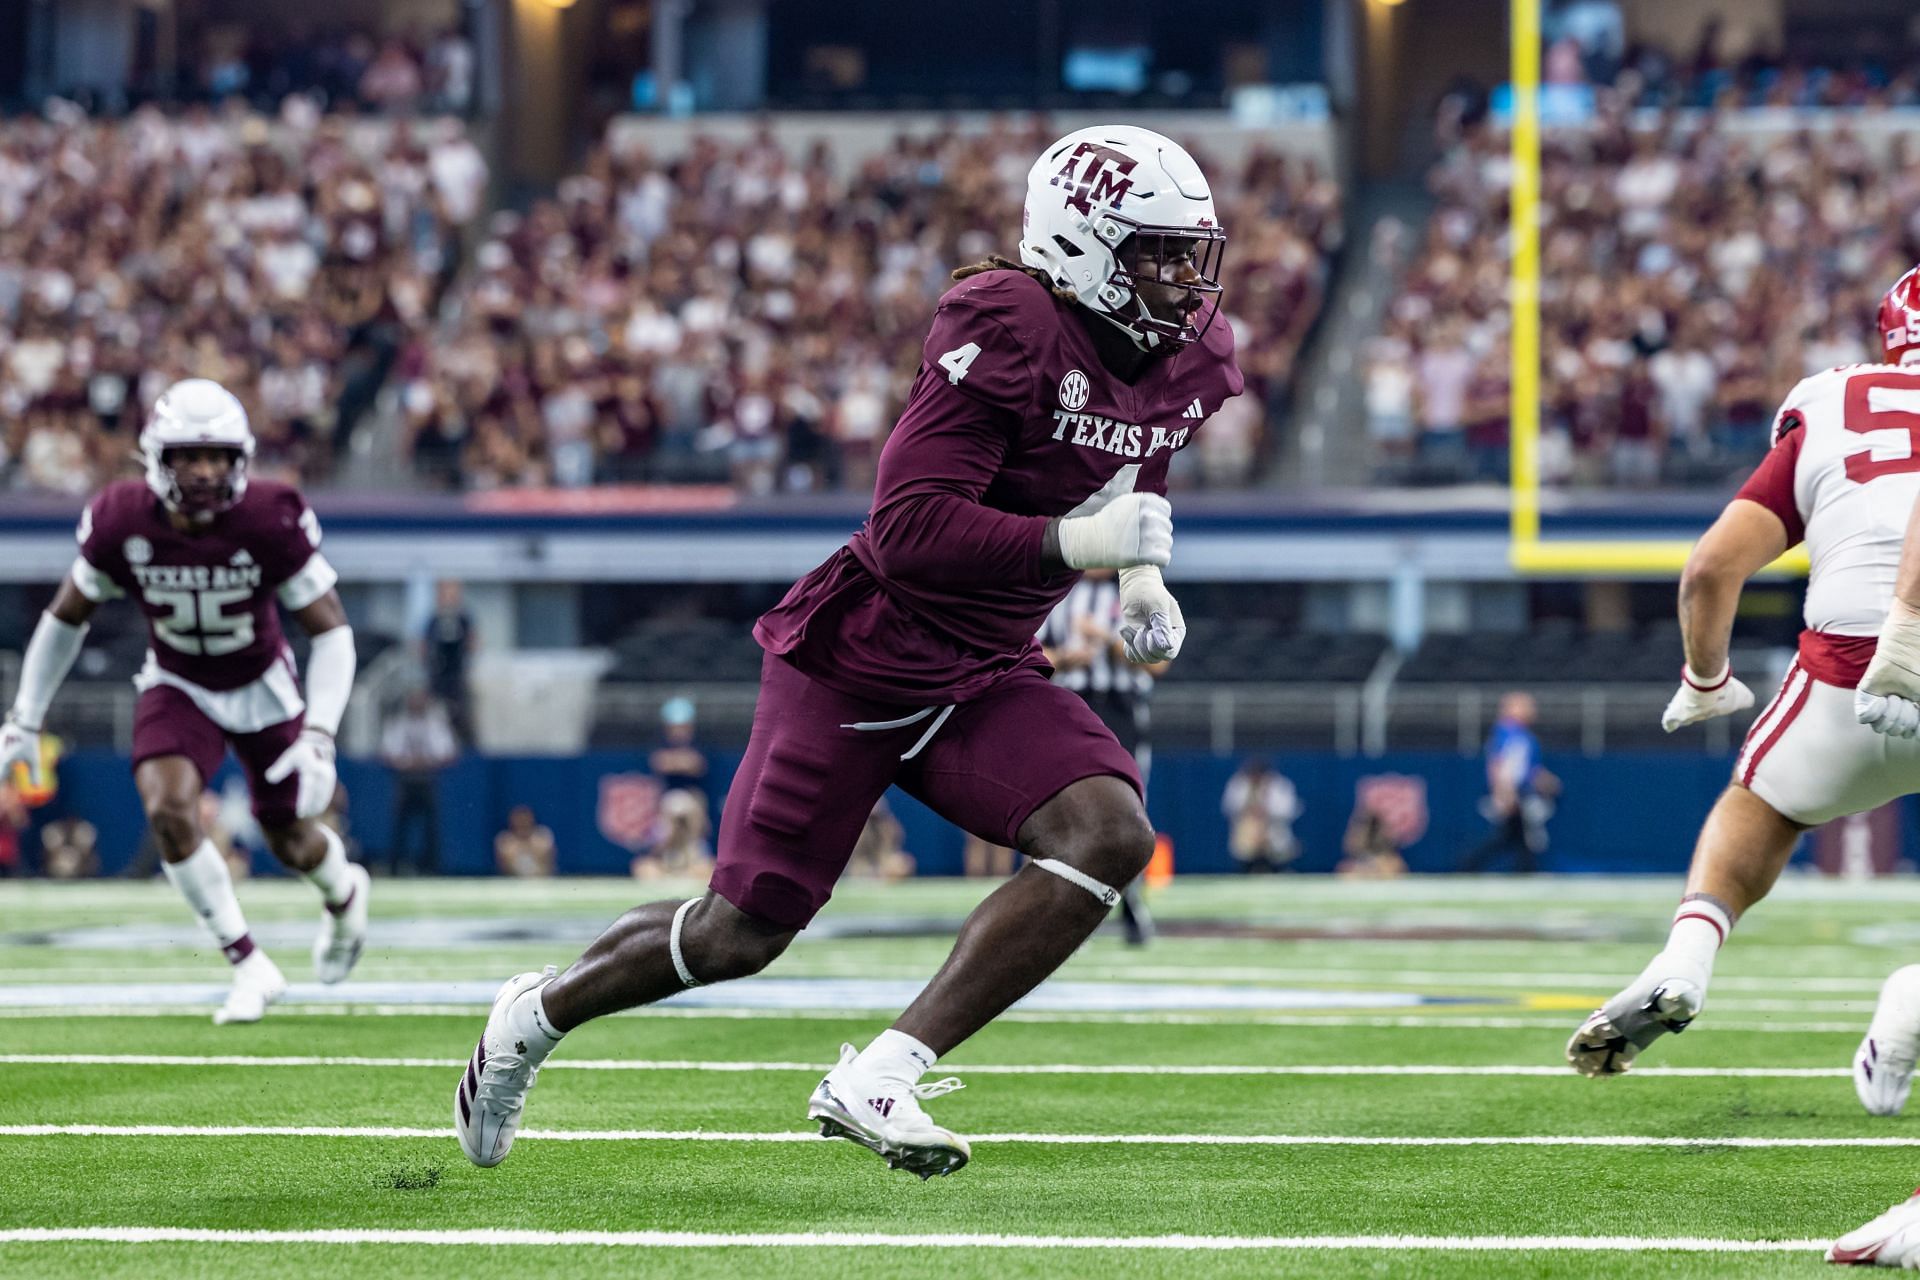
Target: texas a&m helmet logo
(1095, 174)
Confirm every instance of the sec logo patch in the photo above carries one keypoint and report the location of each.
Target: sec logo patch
(1074, 390)
(137, 550)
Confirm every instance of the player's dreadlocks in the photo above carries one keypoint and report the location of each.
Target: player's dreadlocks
(995, 262)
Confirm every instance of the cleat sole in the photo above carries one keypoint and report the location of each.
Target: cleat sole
(925, 1161)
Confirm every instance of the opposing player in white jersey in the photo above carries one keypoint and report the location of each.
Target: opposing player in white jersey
(210, 559)
(1888, 701)
(1842, 476)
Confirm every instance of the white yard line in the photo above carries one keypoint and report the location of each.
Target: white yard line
(985, 1069)
(876, 1240)
(1037, 1139)
(1424, 1022)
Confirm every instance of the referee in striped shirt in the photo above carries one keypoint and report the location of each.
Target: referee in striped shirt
(1081, 638)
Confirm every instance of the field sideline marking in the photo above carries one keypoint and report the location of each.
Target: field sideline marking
(1423, 1022)
(870, 1240)
(998, 1069)
(1036, 1139)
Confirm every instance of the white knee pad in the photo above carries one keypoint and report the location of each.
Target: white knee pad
(673, 945)
(1072, 875)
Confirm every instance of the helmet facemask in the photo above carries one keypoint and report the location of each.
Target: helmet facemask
(195, 506)
(1148, 261)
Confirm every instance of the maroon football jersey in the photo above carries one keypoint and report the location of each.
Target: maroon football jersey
(1012, 420)
(208, 595)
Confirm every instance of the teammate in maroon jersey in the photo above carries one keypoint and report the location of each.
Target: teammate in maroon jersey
(206, 555)
(1050, 400)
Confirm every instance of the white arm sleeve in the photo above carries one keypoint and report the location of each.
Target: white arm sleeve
(314, 580)
(330, 666)
(49, 657)
(91, 583)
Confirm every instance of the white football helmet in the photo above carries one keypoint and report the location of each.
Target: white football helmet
(1092, 190)
(196, 413)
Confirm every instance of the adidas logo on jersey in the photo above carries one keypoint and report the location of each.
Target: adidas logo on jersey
(1194, 410)
(241, 557)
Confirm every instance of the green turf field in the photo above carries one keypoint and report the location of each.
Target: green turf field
(1400, 1108)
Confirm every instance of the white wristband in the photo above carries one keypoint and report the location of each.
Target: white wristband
(330, 665)
(49, 657)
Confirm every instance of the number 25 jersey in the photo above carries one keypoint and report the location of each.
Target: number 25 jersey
(208, 595)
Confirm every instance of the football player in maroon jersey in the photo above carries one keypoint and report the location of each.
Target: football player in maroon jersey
(1051, 397)
(207, 556)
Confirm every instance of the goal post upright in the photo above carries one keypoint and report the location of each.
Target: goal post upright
(1528, 552)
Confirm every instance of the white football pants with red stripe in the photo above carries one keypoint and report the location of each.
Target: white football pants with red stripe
(1811, 761)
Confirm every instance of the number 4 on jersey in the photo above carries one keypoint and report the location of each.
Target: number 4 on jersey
(957, 361)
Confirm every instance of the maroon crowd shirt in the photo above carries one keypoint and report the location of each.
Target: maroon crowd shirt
(1012, 421)
(208, 595)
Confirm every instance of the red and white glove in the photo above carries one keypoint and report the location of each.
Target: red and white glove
(1702, 699)
(311, 758)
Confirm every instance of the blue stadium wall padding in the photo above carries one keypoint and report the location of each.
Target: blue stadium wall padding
(1627, 812)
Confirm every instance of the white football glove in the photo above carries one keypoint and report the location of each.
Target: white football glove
(1888, 698)
(1887, 713)
(1699, 699)
(311, 757)
(20, 745)
(1133, 529)
(1152, 628)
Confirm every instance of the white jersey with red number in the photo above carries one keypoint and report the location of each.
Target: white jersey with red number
(1843, 476)
(1855, 481)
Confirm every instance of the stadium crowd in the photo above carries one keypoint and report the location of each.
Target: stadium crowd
(285, 256)
(1689, 274)
(746, 313)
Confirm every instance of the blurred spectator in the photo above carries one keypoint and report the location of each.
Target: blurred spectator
(880, 853)
(447, 647)
(69, 849)
(1389, 392)
(279, 256)
(1370, 848)
(979, 858)
(1520, 790)
(417, 744)
(751, 314)
(679, 849)
(1442, 373)
(1691, 271)
(525, 848)
(1261, 806)
(678, 762)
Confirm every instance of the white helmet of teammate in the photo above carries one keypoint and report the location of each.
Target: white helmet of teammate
(1092, 190)
(196, 413)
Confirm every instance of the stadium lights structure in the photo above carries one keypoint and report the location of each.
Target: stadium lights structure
(1529, 552)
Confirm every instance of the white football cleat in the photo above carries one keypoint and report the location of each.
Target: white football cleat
(1883, 1064)
(1890, 1240)
(257, 983)
(884, 1116)
(1608, 1041)
(336, 949)
(493, 1089)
